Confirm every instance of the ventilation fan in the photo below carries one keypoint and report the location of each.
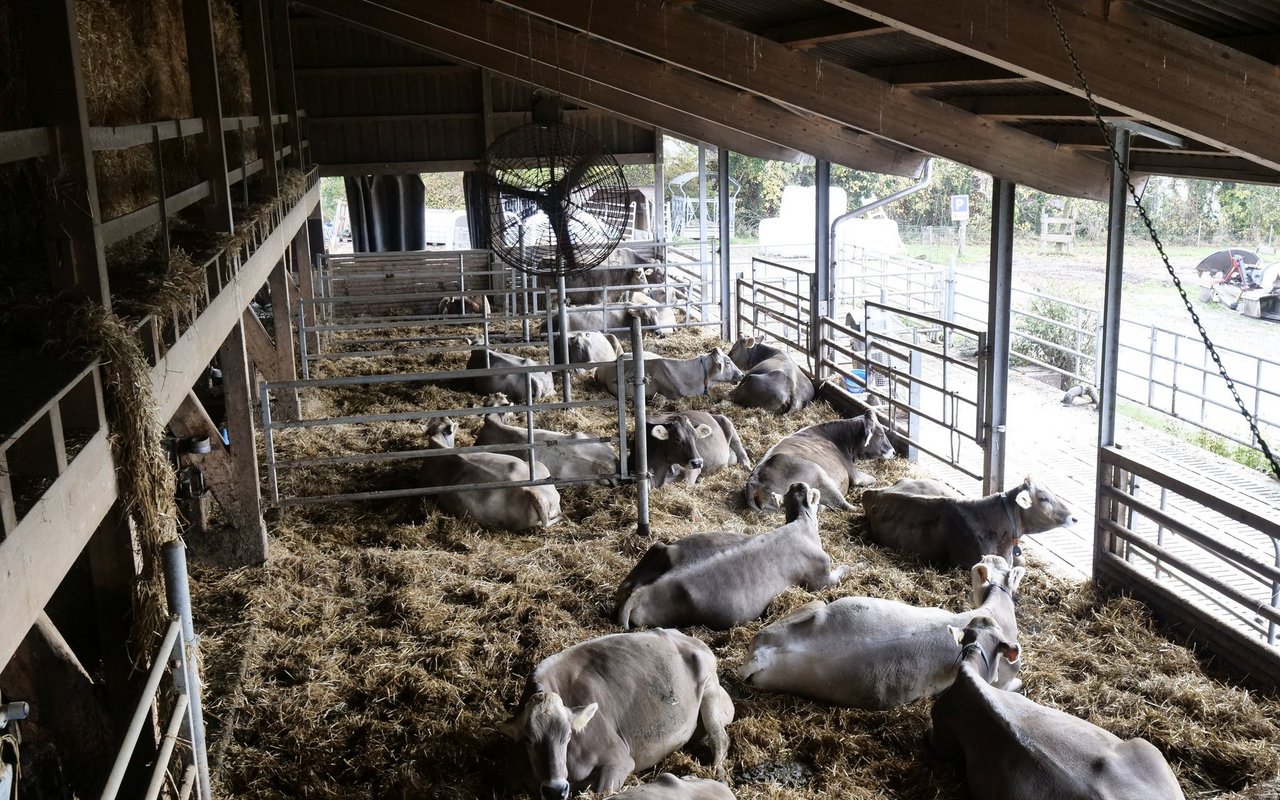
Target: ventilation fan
(557, 199)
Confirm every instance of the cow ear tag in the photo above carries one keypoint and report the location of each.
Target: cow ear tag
(1023, 499)
(659, 432)
(777, 499)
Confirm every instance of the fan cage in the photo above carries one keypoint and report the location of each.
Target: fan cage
(557, 199)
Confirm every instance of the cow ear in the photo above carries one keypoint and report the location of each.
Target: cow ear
(1015, 578)
(1023, 499)
(869, 428)
(815, 497)
(702, 431)
(581, 716)
(659, 432)
(981, 575)
(956, 633)
(777, 499)
(1011, 652)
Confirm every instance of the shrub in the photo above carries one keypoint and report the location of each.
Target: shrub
(1052, 331)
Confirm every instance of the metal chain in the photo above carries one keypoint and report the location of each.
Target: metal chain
(1146, 220)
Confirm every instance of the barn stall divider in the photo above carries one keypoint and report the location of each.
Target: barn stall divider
(624, 471)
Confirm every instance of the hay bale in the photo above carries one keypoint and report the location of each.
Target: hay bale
(233, 68)
(116, 85)
(161, 44)
(388, 643)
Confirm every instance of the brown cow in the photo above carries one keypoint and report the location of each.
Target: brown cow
(927, 519)
(685, 445)
(610, 706)
(1014, 747)
(868, 652)
(822, 456)
(725, 579)
(772, 381)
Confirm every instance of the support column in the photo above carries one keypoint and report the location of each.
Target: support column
(202, 65)
(659, 190)
(283, 300)
(247, 541)
(258, 53)
(113, 567)
(1109, 347)
(999, 309)
(823, 281)
(304, 268)
(726, 235)
(56, 85)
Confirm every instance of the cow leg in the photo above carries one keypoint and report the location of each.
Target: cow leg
(610, 776)
(830, 579)
(859, 478)
(735, 445)
(716, 713)
(833, 497)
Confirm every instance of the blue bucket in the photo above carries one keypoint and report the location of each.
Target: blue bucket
(851, 386)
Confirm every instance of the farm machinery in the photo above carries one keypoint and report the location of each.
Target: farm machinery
(1241, 281)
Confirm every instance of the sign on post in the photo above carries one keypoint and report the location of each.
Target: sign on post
(959, 208)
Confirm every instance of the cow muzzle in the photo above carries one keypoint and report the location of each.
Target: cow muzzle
(695, 463)
(555, 790)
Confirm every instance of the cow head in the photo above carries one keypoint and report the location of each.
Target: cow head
(653, 314)
(543, 729)
(875, 439)
(496, 400)
(800, 499)
(1039, 509)
(983, 644)
(995, 571)
(742, 351)
(674, 441)
(719, 367)
(440, 433)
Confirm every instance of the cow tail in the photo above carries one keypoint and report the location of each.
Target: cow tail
(752, 492)
(544, 514)
(624, 613)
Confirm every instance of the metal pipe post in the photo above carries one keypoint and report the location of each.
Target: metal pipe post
(179, 596)
(726, 234)
(562, 340)
(642, 429)
(999, 311)
(1108, 369)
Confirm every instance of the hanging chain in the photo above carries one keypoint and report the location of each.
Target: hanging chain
(1150, 226)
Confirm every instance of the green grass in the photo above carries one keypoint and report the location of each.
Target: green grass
(1241, 454)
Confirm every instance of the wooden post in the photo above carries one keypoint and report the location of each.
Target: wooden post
(56, 90)
(309, 242)
(202, 64)
(113, 567)
(286, 89)
(248, 539)
(255, 43)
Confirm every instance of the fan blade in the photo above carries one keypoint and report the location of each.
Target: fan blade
(560, 226)
(502, 186)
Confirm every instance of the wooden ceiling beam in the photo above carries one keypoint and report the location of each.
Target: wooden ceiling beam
(828, 28)
(939, 73)
(1090, 138)
(1032, 106)
(510, 42)
(1201, 167)
(701, 44)
(1142, 66)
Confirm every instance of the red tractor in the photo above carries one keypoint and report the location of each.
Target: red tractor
(1238, 279)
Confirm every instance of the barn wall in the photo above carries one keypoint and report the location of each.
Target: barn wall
(376, 105)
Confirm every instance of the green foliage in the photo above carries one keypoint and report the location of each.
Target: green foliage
(331, 191)
(1061, 330)
(444, 190)
(1249, 457)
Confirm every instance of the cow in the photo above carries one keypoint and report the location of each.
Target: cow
(684, 445)
(668, 787)
(772, 381)
(867, 652)
(567, 456)
(596, 712)
(1012, 746)
(724, 579)
(927, 519)
(822, 456)
(463, 305)
(588, 347)
(513, 508)
(676, 377)
(614, 319)
(513, 385)
(604, 283)
(662, 316)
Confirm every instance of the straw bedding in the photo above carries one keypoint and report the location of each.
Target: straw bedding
(377, 648)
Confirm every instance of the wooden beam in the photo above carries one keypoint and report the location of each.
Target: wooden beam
(512, 43)
(943, 73)
(755, 64)
(259, 58)
(1204, 167)
(202, 66)
(828, 28)
(56, 90)
(248, 538)
(364, 71)
(1031, 106)
(1153, 70)
(286, 87)
(1088, 137)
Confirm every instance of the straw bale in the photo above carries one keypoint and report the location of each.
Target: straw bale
(233, 68)
(161, 44)
(14, 113)
(116, 85)
(388, 641)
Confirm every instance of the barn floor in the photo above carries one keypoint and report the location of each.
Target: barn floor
(377, 649)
